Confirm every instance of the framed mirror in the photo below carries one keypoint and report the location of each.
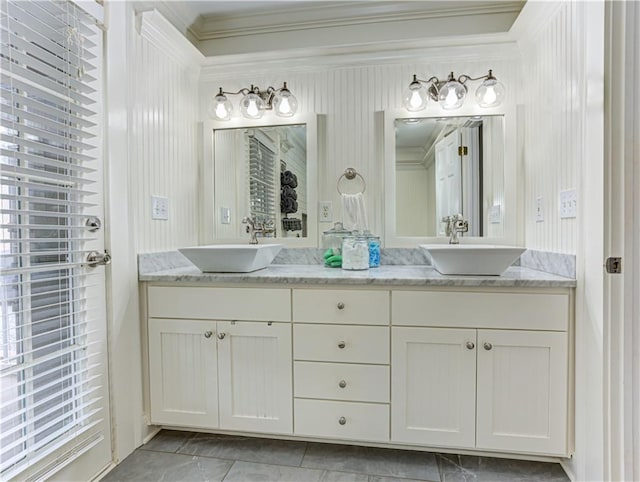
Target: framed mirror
(266, 170)
(442, 166)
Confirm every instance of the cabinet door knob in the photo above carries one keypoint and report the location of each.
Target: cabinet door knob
(341, 305)
(207, 334)
(487, 345)
(342, 384)
(341, 345)
(470, 345)
(221, 336)
(342, 421)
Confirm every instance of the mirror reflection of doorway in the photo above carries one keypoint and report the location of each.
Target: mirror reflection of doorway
(459, 171)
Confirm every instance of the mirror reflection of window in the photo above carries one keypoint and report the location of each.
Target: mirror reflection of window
(261, 172)
(447, 166)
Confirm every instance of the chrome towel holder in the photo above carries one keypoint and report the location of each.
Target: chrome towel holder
(350, 174)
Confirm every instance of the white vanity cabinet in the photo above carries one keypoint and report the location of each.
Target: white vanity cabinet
(210, 373)
(478, 369)
(481, 386)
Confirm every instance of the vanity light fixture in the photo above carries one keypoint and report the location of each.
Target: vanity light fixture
(254, 102)
(451, 93)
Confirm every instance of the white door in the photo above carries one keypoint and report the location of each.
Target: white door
(255, 376)
(183, 376)
(53, 336)
(448, 179)
(522, 391)
(433, 386)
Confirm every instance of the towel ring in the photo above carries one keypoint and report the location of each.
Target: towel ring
(350, 174)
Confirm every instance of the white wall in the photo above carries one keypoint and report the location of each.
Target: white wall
(350, 91)
(562, 57)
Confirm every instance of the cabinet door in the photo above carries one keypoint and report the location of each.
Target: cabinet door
(255, 376)
(183, 373)
(433, 386)
(522, 391)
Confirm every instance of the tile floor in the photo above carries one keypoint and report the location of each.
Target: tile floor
(173, 456)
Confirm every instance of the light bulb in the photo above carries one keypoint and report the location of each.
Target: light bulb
(285, 103)
(252, 106)
(220, 107)
(416, 97)
(490, 93)
(452, 94)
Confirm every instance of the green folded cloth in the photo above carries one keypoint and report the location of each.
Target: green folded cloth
(334, 261)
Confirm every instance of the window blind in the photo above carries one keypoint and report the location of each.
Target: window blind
(52, 393)
(262, 162)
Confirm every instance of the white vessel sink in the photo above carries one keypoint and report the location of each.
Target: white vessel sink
(231, 258)
(472, 259)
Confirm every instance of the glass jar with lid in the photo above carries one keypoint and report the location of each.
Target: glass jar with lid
(332, 244)
(355, 253)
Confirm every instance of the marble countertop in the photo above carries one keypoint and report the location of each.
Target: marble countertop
(386, 275)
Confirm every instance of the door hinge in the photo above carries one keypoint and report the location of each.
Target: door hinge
(613, 265)
(463, 150)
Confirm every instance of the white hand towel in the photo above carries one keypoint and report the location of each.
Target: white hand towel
(354, 212)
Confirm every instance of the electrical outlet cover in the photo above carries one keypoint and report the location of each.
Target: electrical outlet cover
(326, 212)
(494, 214)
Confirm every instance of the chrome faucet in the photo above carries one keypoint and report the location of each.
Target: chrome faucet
(254, 228)
(455, 224)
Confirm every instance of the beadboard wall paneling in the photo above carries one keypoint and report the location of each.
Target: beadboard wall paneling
(554, 100)
(350, 96)
(163, 140)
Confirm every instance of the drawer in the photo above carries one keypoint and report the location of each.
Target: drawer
(341, 343)
(341, 306)
(531, 311)
(339, 381)
(362, 421)
(253, 304)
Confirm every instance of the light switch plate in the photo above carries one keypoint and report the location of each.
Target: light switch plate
(326, 211)
(159, 208)
(568, 204)
(539, 209)
(225, 216)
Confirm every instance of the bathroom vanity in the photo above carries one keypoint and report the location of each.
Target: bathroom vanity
(398, 356)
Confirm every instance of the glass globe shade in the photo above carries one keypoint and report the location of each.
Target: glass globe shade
(490, 93)
(415, 97)
(451, 95)
(220, 108)
(252, 106)
(285, 103)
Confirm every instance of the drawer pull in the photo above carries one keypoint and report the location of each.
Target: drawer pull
(342, 421)
(470, 345)
(207, 334)
(341, 305)
(487, 346)
(221, 336)
(342, 384)
(341, 345)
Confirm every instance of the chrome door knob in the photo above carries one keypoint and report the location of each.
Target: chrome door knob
(470, 345)
(342, 421)
(341, 345)
(342, 384)
(487, 346)
(207, 334)
(341, 305)
(221, 336)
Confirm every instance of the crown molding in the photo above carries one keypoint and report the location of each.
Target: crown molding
(533, 18)
(213, 27)
(154, 27)
(492, 47)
